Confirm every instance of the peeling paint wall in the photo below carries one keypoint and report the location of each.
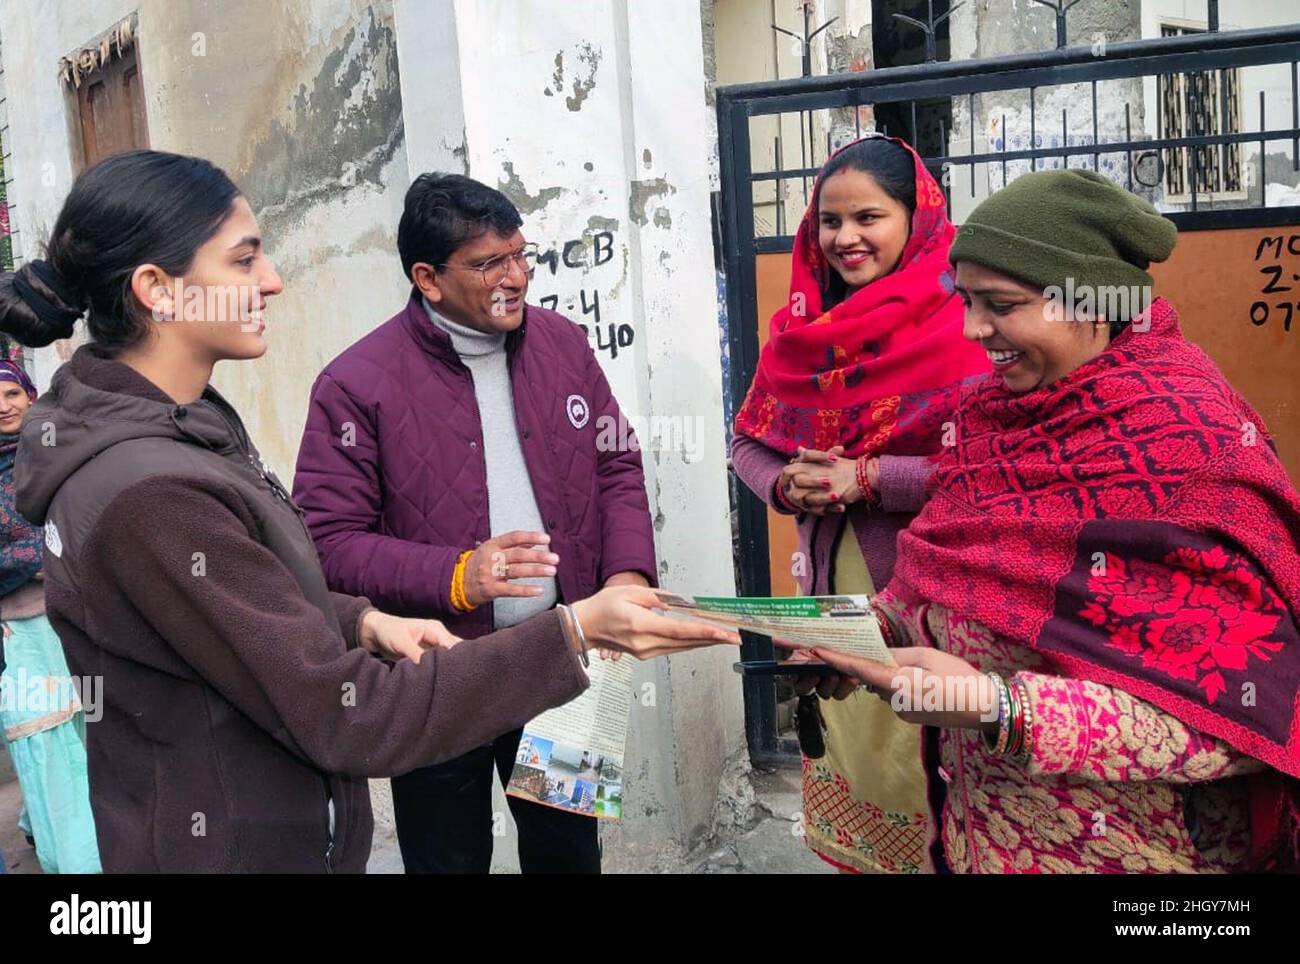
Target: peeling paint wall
(849, 50)
(300, 102)
(664, 112)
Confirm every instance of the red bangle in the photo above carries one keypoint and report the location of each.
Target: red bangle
(781, 498)
(869, 495)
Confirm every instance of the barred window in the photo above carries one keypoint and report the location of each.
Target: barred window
(1197, 104)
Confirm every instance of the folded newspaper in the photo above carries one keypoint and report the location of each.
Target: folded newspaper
(571, 757)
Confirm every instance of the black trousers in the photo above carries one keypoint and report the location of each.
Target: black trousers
(444, 819)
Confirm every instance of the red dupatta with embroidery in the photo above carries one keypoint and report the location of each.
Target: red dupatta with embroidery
(877, 372)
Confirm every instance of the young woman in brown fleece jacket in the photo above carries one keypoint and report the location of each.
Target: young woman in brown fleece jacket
(244, 703)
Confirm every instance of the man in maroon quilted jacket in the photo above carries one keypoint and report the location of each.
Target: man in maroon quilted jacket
(450, 469)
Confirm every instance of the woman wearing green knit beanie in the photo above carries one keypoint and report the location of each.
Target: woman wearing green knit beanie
(1052, 267)
(1107, 559)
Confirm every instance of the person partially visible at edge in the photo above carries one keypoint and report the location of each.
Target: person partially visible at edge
(1110, 555)
(859, 375)
(244, 704)
(451, 467)
(41, 717)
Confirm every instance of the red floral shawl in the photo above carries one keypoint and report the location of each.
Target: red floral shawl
(1131, 522)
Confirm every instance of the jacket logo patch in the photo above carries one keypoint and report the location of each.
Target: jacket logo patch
(578, 411)
(52, 540)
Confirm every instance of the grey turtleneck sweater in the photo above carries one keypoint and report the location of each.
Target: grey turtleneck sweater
(511, 502)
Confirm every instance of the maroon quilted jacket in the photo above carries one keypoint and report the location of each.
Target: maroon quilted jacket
(393, 482)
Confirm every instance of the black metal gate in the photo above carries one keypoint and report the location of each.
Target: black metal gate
(1193, 168)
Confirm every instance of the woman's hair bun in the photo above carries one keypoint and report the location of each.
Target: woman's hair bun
(38, 305)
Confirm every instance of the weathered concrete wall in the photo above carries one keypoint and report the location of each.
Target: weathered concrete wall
(300, 102)
(849, 50)
(665, 132)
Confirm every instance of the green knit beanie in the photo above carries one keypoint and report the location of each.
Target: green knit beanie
(1049, 226)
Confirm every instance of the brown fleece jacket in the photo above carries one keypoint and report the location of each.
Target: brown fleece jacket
(240, 718)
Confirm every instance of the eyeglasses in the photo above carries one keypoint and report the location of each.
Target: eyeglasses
(497, 269)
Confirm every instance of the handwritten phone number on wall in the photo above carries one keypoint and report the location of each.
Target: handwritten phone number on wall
(1278, 280)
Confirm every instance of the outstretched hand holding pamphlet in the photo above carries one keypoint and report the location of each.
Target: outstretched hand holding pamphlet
(844, 623)
(571, 757)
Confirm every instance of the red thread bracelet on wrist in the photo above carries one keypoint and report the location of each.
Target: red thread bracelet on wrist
(869, 495)
(784, 500)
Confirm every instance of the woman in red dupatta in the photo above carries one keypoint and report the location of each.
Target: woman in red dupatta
(853, 388)
(1109, 558)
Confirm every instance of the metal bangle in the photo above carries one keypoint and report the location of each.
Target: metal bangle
(1025, 750)
(582, 637)
(998, 745)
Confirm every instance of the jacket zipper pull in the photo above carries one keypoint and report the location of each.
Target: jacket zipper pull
(329, 850)
(271, 484)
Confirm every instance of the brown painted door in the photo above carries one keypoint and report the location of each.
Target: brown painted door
(111, 105)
